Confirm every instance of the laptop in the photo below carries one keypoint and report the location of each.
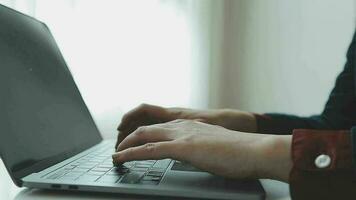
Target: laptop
(49, 140)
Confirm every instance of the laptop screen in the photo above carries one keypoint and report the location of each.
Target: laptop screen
(43, 118)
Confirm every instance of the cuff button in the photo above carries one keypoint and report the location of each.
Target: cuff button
(322, 161)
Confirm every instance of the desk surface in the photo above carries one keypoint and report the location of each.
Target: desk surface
(275, 191)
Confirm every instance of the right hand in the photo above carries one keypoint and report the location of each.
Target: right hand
(211, 148)
(146, 114)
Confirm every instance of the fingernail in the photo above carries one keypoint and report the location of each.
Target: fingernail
(115, 155)
(115, 163)
(116, 159)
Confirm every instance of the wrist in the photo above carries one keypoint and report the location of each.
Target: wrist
(275, 160)
(238, 120)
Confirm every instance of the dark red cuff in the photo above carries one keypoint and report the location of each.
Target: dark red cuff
(322, 165)
(307, 145)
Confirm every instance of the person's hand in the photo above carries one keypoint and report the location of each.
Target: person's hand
(211, 148)
(149, 114)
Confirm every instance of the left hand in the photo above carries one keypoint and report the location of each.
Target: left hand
(210, 148)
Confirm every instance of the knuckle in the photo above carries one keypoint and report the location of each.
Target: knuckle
(140, 131)
(188, 122)
(183, 120)
(143, 106)
(190, 139)
(128, 153)
(178, 120)
(150, 147)
(203, 119)
(125, 116)
(121, 157)
(180, 114)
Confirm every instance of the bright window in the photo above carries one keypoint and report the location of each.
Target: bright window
(122, 53)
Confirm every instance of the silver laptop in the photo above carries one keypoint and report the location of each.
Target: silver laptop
(49, 140)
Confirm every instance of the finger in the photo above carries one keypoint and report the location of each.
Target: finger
(144, 114)
(144, 134)
(148, 151)
(120, 137)
(128, 118)
(177, 121)
(124, 133)
(201, 120)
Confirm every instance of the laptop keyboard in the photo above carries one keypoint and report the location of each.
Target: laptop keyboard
(97, 166)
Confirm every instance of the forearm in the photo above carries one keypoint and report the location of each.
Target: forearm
(237, 120)
(272, 123)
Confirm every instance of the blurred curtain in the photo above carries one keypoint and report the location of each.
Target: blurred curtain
(253, 55)
(125, 52)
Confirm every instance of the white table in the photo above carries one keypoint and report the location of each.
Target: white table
(8, 190)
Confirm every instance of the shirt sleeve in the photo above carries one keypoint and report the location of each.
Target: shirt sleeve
(322, 165)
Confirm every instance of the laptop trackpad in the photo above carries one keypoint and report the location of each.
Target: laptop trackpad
(182, 166)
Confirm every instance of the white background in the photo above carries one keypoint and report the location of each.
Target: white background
(254, 55)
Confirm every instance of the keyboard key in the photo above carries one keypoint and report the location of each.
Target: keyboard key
(88, 178)
(120, 170)
(151, 178)
(145, 163)
(158, 169)
(95, 161)
(71, 176)
(142, 166)
(155, 173)
(79, 170)
(102, 156)
(91, 163)
(84, 167)
(112, 174)
(139, 169)
(162, 164)
(132, 177)
(109, 179)
(94, 173)
(81, 161)
(115, 171)
(99, 169)
(149, 182)
(69, 167)
(56, 175)
(128, 164)
(183, 166)
(67, 178)
(106, 166)
(75, 163)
